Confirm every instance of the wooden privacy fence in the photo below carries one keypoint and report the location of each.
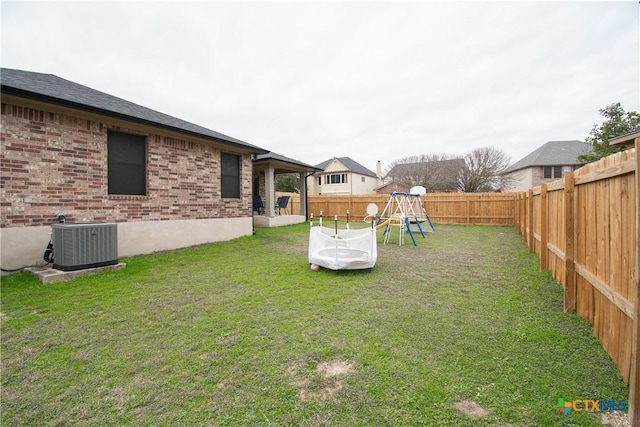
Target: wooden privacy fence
(584, 229)
(442, 208)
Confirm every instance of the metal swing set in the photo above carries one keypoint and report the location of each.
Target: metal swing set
(406, 212)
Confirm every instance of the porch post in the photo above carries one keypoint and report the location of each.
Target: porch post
(270, 191)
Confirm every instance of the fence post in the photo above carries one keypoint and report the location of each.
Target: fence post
(570, 285)
(516, 214)
(532, 239)
(523, 215)
(634, 379)
(517, 211)
(468, 208)
(544, 210)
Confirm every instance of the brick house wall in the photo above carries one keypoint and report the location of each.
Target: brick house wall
(55, 159)
(537, 175)
(52, 162)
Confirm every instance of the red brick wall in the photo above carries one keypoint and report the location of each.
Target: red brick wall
(51, 161)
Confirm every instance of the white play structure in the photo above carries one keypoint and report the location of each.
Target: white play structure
(407, 213)
(356, 249)
(342, 249)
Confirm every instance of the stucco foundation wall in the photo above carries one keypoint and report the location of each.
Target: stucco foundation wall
(24, 246)
(135, 238)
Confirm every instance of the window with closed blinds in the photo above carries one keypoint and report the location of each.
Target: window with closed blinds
(126, 163)
(230, 177)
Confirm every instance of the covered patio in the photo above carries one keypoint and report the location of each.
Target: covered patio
(265, 168)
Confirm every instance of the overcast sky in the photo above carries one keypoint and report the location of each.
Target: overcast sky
(366, 80)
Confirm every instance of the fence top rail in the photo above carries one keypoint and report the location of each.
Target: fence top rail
(623, 168)
(556, 185)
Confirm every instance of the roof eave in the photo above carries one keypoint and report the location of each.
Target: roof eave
(297, 166)
(627, 138)
(100, 111)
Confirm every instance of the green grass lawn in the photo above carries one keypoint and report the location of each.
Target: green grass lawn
(244, 333)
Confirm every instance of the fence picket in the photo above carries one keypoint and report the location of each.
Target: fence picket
(592, 250)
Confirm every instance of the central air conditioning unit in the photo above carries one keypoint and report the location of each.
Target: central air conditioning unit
(80, 246)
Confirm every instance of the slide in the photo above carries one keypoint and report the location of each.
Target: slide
(383, 224)
(389, 221)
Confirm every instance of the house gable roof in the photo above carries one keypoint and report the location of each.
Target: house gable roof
(553, 153)
(453, 165)
(348, 163)
(53, 89)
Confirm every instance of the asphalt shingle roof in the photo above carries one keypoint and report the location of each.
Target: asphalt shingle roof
(453, 165)
(53, 89)
(350, 164)
(553, 153)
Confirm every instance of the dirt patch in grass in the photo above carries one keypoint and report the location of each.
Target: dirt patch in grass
(471, 408)
(616, 419)
(318, 381)
(333, 368)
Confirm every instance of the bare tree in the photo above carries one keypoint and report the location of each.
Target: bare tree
(482, 169)
(435, 172)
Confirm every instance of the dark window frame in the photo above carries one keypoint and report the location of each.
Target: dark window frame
(336, 178)
(230, 175)
(552, 172)
(126, 164)
(557, 172)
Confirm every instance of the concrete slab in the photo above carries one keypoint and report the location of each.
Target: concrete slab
(277, 221)
(51, 275)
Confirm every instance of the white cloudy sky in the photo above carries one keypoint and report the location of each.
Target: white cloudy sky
(368, 80)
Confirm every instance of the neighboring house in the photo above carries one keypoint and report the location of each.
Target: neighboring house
(342, 175)
(166, 182)
(391, 187)
(548, 163)
(434, 176)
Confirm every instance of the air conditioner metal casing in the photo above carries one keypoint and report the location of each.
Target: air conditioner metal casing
(80, 246)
